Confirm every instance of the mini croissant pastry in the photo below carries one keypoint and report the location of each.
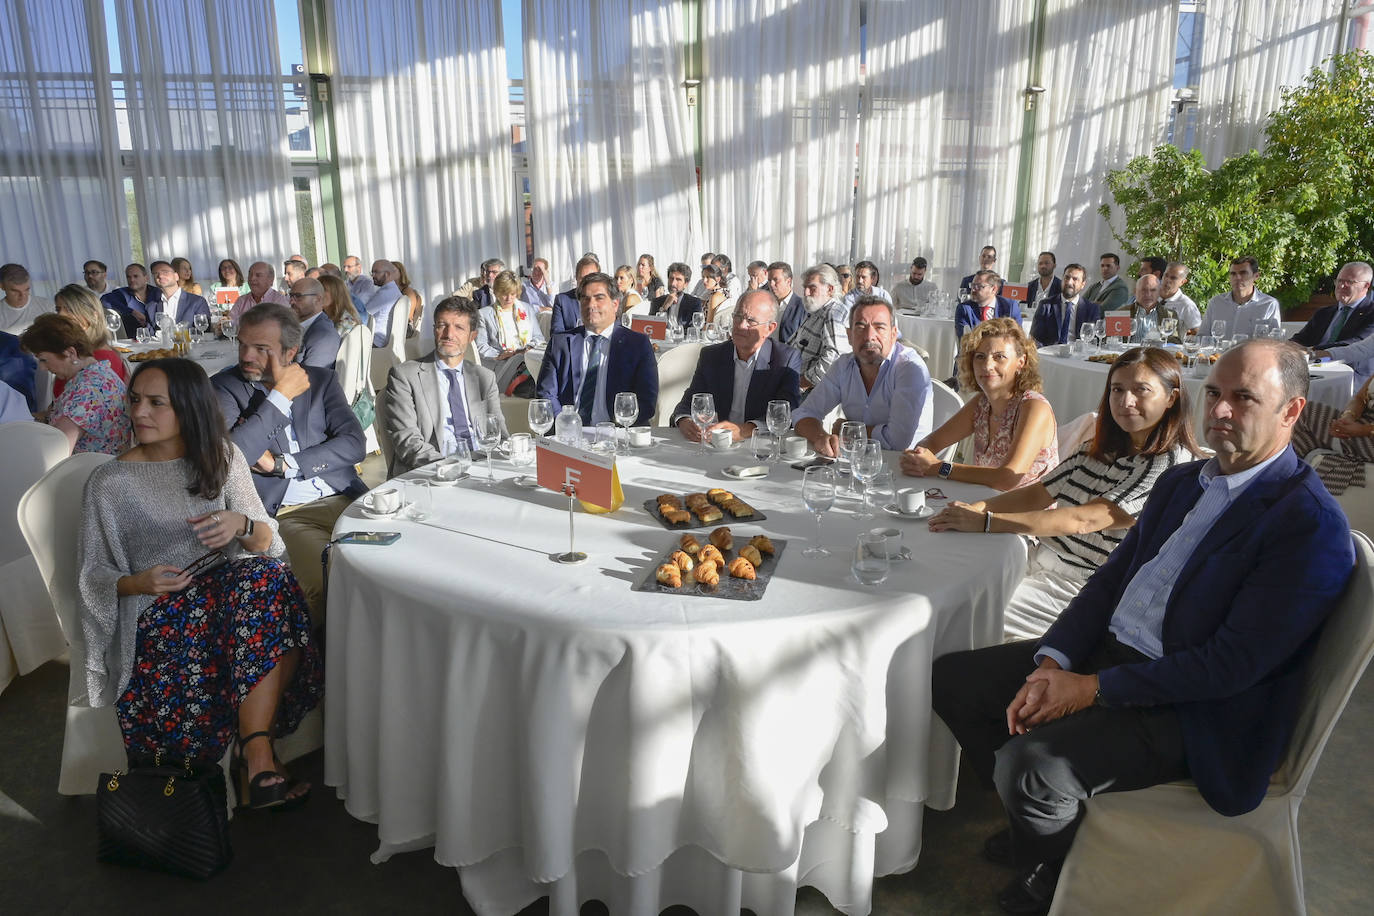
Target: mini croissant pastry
(707, 573)
(669, 575)
(711, 553)
(722, 538)
(763, 544)
(751, 553)
(689, 544)
(681, 560)
(741, 568)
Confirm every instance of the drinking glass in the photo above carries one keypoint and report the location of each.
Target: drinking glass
(703, 413)
(779, 420)
(458, 452)
(761, 445)
(201, 322)
(1100, 332)
(1190, 347)
(489, 437)
(540, 413)
(818, 494)
(870, 559)
(851, 434)
(1219, 329)
(879, 492)
(231, 329)
(698, 321)
(1087, 331)
(521, 452)
(1168, 327)
(868, 461)
(114, 323)
(626, 410)
(419, 506)
(605, 437)
(141, 335)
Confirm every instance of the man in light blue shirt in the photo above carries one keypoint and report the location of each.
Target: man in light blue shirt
(882, 384)
(1183, 656)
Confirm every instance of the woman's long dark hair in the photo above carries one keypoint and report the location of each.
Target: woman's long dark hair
(1175, 427)
(202, 422)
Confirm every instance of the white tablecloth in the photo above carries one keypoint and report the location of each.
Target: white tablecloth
(212, 355)
(936, 337)
(1074, 386)
(551, 732)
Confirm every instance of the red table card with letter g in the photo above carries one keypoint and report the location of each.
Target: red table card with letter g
(654, 326)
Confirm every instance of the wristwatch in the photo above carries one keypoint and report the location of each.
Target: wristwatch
(946, 469)
(278, 465)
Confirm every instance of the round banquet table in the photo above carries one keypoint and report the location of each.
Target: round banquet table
(935, 336)
(212, 354)
(1074, 386)
(551, 732)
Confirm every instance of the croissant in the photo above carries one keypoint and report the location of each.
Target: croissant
(763, 544)
(669, 575)
(707, 573)
(741, 568)
(711, 553)
(681, 560)
(751, 553)
(722, 538)
(689, 544)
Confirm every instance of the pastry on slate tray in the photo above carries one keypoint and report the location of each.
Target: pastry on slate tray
(751, 553)
(707, 573)
(711, 554)
(738, 508)
(669, 575)
(722, 538)
(708, 514)
(668, 499)
(675, 516)
(718, 496)
(696, 499)
(681, 560)
(741, 568)
(689, 543)
(763, 544)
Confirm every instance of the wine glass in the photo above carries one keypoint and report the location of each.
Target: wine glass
(489, 437)
(870, 564)
(626, 410)
(1168, 327)
(201, 322)
(1100, 332)
(867, 461)
(114, 323)
(851, 434)
(540, 413)
(779, 419)
(818, 494)
(698, 320)
(1219, 329)
(703, 413)
(231, 329)
(1087, 331)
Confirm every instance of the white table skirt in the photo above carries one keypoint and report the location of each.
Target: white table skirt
(936, 337)
(550, 732)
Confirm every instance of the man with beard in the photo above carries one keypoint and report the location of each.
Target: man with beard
(820, 338)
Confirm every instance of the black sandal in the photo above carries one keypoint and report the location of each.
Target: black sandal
(252, 792)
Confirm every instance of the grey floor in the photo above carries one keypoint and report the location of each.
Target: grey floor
(315, 860)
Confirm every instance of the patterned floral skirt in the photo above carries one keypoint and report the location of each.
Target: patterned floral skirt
(200, 651)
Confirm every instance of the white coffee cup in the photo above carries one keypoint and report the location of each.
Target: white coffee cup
(640, 436)
(911, 499)
(721, 438)
(448, 469)
(794, 446)
(891, 540)
(384, 500)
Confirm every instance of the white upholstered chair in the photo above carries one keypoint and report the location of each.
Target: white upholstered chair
(675, 369)
(1069, 435)
(945, 403)
(1163, 850)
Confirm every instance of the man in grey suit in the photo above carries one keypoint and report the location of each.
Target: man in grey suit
(320, 340)
(432, 402)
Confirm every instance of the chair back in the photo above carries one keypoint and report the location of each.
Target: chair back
(675, 369)
(945, 403)
(1343, 652)
(384, 441)
(27, 451)
(1070, 434)
(545, 320)
(354, 362)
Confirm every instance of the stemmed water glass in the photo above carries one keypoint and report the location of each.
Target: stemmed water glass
(1087, 331)
(114, 323)
(1168, 327)
(200, 322)
(779, 419)
(231, 329)
(1100, 332)
(626, 409)
(1218, 330)
(818, 493)
(852, 433)
(703, 413)
(698, 321)
(489, 437)
(867, 462)
(540, 413)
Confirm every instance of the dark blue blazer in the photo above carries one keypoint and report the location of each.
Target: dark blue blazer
(688, 307)
(1241, 620)
(1051, 325)
(791, 314)
(1358, 326)
(776, 377)
(320, 345)
(629, 364)
(966, 314)
(482, 296)
(330, 437)
(567, 314)
(18, 369)
(189, 306)
(134, 313)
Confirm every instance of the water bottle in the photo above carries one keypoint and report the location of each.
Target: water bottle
(567, 427)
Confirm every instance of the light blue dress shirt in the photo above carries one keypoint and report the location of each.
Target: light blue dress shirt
(898, 408)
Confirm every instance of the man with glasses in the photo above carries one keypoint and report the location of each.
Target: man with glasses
(987, 260)
(882, 384)
(95, 273)
(744, 373)
(320, 341)
(1345, 330)
(983, 303)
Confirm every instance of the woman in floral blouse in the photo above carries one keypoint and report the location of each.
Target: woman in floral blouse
(90, 409)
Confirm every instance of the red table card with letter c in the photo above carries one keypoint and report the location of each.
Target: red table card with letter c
(1117, 323)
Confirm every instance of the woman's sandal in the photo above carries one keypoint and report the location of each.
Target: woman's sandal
(252, 792)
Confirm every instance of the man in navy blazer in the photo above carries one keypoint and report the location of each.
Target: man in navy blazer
(1183, 655)
(675, 301)
(771, 371)
(567, 311)
(1345, 330)
(320, 340)
(1045, 284)
(622, 360)
(177, 302)
(299, 436)
(1060, 316)
(983, 298)
(133, 301)
(791, 310)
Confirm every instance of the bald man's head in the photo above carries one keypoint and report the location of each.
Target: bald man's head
(307, 298)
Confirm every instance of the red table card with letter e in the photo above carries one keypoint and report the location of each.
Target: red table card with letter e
(560, 465)
(1117, 323)
(655, 326)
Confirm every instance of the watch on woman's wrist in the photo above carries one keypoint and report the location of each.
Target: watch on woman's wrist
(946, 468)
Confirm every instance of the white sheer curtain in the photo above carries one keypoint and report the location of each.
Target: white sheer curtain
(611, 161)
(1250, 50)
(60, 200)
(424, 137)
(780, 96)
(1107, 69)
(940, 144)
(208, 125)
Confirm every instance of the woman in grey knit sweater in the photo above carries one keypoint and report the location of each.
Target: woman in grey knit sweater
(192, 654)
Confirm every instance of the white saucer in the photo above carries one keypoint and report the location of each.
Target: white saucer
(733, 476)
(526, 481)
(804, 456)
(377, 513)
(437, 481)
(649, 444)
(926, 512)
(728, 448)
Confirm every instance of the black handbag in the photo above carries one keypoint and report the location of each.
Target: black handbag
(165, 818)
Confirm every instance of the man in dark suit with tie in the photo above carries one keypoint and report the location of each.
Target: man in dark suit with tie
(675, 303)
(1182, 656)
(1345, 330)
(588, 365)
(567, 311)
(744, 373)
(320, 340)
(791, 310)
(983, 303)
(1059, 317)
(299, 435)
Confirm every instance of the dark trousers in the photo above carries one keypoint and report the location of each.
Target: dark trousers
(1044, 776)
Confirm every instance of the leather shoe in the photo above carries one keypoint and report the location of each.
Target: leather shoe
(997, 849)
(1033, 892)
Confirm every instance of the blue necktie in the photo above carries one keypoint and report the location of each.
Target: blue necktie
(457, 410)
(586, 398)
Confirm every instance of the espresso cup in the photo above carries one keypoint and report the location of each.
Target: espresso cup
(721, 438)
(640, 436)
(794, 446)
(890, 539)
(911, 499)
(384, 500)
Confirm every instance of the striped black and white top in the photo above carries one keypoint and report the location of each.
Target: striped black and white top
(1127, 482)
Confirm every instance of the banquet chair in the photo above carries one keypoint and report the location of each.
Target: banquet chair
(384, 440)
(394, 353)
(50, 517)
(945, 403)
(353, 367)
(1356, 502)
(30, 633)
(545, 320)
(675, 370)
(1068, 435)
(1163, 850)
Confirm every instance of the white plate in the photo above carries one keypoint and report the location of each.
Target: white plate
(377, 513)
(526, 481)
(893, 509)
(728, 472)
(728, 448)
(804, 456)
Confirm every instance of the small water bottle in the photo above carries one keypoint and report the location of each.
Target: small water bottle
(567, 427)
